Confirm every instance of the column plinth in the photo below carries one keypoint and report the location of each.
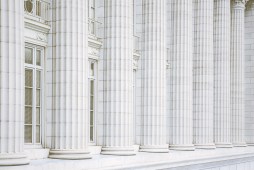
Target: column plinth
(70, 125)
(118, 78)
(12, 83)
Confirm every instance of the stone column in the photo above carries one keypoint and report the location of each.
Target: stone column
(222, 116)
(118, 118)
(70, 68)
(237, 72)
(12, 83)
(203, 74)
(181, 116)
(154, 77)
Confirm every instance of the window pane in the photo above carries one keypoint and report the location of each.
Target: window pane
(38, 101)
(38, 115)
(28, 6)
(92, 69)
(28, 133)
(91, 118)
(28, 55)
(28, 96)
(38, 79)
(29, 78)
(91, 133)
(38, 134)
(91, 102)
(38, 8)
(28, 115)
(92, 87)
(38, 57)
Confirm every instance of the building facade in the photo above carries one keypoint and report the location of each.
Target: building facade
(125, 77)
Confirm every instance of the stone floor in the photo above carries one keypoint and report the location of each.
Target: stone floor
(199, 159)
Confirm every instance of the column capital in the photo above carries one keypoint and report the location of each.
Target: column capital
(239, 4)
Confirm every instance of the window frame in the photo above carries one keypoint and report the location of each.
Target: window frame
(34, 67)
(95, 79)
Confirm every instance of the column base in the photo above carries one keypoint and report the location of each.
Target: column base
(13, 159)
(118, 151)
(205, 146)
(223, 145)
(182, 147)
(69, 154)
(154, 148)
(243, 144)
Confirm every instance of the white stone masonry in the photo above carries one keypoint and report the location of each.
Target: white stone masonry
(154, 77)
(118, 110)
(12, 83)
(70, 68)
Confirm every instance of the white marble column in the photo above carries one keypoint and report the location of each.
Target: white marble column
(203, 74)
(222, 115)
(12, 83)
(154, 77)
(118, 110)
(70, 67)
(237, 72)
(181, 114)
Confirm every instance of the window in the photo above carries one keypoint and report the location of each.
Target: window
(92, 99)
(33, 94)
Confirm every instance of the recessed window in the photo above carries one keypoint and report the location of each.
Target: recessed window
(92, 99)
(33, 94)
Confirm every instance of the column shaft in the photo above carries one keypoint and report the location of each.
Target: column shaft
(203, 74)
(118, 125)
(237, 73)
(12, 83)
(70, 67)
(222, 116)
(181, 116)
(154, 77)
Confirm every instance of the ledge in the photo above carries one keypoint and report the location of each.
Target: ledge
(198, 159)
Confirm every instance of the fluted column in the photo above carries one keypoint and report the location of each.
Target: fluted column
(118, 110)
(237, 72)
(70, 67)
(181, 116)
(222, 115)
(12, 83)
(154, 78)
(203, 74)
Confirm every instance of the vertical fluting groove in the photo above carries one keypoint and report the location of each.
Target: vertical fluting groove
(203, 74)
(118, 78)
(70, 132)
(154, 71)
(237, 73)
(222, 116)
(12, 83)
(181, 116)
